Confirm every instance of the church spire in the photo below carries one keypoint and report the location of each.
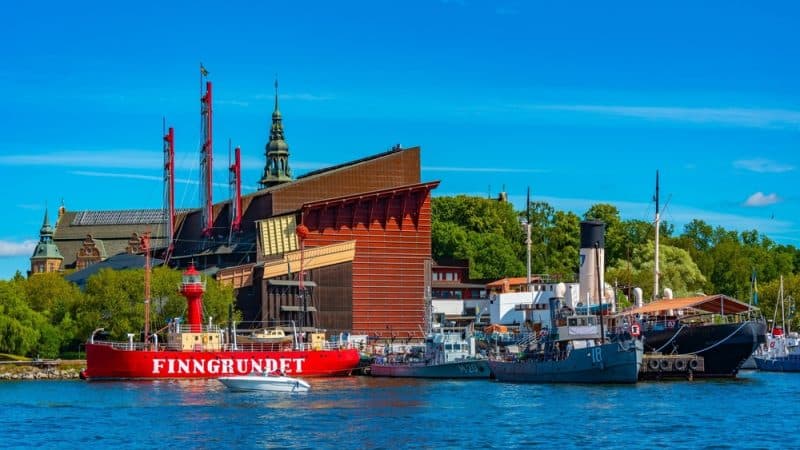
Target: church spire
(277, 170)
(46, 230)
(46, 257)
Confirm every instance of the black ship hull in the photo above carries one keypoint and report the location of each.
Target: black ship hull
(724, 347)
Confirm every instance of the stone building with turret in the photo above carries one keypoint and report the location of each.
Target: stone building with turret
(46, 256)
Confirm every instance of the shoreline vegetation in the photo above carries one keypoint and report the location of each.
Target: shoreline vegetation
(45, 369)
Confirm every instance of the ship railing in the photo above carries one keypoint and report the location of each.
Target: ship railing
(667, 322)
(204, 328)
(526, 339)
(133, 346)
(286, 346)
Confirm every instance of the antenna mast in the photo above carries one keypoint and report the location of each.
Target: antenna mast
(206, 156)
(656, 272)
(169, 191)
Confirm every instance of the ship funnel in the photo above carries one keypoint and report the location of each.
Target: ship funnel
(637, 297)
(667, 293)
(592, 255)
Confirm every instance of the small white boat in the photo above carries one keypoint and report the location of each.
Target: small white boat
(265, 382)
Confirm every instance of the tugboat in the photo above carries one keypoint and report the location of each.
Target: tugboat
(573, 349)
(574, 345)
(197, 350)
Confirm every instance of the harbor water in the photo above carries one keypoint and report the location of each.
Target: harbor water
(757, 410)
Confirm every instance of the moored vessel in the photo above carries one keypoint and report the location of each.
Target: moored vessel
(717, 328)
(572, 349)
(782, 351)
(720, 329)
(448, 353)
(197, 350)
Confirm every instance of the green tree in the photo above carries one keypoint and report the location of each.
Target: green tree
(677, 270)
(21, 327)
(563, 242)
(485, 232)
(56, 299)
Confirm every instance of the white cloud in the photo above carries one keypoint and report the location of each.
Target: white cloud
(759, 199)
(24, 248)
(761, 165)
(111, 159)
(480, 169)
(130, 176)
(121, 158)
(136, 176)
(743, 117)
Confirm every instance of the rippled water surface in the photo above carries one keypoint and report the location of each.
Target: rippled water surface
(758, 410)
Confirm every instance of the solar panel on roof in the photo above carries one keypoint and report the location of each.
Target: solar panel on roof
(120, 217)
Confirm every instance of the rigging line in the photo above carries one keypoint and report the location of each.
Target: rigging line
(672, 338)
(720, 342)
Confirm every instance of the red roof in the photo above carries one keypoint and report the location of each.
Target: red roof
(711, 303)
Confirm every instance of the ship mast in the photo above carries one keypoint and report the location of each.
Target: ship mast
(235, 183)
(528, 234)
(302, 234)
(146, 249)
(206, 156)
(169, 191)
(655, 265)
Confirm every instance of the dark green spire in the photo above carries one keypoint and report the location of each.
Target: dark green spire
(277, 170)
(46, 229)
(46, 248)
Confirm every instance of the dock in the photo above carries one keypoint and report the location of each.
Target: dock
(658, 367)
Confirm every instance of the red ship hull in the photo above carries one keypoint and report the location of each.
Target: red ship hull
(107, 361)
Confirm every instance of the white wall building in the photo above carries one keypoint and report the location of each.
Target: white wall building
(503, 307)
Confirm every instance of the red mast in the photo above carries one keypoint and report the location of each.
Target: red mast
(169, 190)
(236, 192)
(192, 288)
(206, 157)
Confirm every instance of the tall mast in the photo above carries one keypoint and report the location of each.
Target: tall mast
(206, 156)
(528, 234)
(655, 266)
(169, 190)
(146, 249)
(235, 182)
(783, 313)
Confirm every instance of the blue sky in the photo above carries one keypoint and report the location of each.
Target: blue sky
(581, 101)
